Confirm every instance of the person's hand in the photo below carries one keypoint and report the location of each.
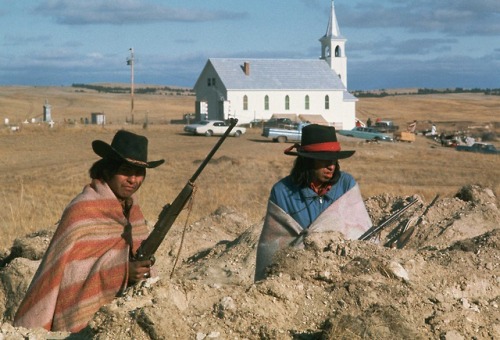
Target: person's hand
(139, 270)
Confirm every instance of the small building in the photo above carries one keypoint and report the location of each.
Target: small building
(97, 118)
(47, 111)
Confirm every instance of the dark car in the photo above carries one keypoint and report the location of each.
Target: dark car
(282, 123)
(479, 147)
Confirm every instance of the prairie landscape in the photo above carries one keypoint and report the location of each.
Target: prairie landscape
(443, 284)
(43, 168)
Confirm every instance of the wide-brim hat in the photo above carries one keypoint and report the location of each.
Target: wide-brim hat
(319, 142)
(126, 146)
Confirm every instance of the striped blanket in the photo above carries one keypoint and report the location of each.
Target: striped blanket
(347, 214)
(86, 263)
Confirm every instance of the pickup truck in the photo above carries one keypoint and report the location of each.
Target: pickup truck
(284, 135)
(479, 147)
(385, 126)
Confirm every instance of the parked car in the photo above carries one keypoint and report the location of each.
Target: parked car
(366, 133)
(479, 147)
(213, 128)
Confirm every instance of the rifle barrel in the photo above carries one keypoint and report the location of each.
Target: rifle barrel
(170, 212)
(374, 230)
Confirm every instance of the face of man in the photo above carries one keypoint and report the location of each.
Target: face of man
(324, 169)
(127, 180)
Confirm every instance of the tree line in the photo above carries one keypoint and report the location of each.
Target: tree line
(140, 90)
(384, 93)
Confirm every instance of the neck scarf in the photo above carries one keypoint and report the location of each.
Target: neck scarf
(320, 188)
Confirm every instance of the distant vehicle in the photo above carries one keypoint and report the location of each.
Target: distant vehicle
(479, 147)
(213, 128)
(366, 133)
(256, 122)
(282, 123)
(385, 125)
(292, 134)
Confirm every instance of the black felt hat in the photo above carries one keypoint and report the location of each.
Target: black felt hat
(126, 146)
(319, 142)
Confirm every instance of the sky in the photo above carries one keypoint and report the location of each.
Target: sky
(390, 43)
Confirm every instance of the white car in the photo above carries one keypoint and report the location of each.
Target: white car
(213, 128)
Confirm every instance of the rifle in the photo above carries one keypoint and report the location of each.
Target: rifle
(170, 211)
(376, 229)
(404, 236)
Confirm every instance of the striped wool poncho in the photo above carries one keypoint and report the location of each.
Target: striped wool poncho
(86, 263)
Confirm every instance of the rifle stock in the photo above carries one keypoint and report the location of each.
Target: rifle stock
(170, 212)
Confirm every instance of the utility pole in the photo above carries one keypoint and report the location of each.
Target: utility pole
(130, 61)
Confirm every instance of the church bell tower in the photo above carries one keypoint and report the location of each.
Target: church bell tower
(333, 47)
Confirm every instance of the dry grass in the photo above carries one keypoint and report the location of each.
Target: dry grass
(42, 169)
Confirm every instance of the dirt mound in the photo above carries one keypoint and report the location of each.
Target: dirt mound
(442, 283)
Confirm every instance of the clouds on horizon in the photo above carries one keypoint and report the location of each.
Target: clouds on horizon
(391, 43)
(451, 17)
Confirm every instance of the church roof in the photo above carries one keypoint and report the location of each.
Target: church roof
(276, 74)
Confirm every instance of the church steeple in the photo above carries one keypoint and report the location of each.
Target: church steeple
(333, 47)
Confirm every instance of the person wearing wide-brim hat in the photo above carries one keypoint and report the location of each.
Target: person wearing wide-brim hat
(88, 261)
(316, 197)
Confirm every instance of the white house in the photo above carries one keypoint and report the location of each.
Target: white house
(306, 89)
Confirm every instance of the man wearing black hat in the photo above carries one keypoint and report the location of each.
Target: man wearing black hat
(87, 263)
(315, 197)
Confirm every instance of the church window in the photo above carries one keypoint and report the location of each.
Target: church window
(337, 51)
(266, 102)
(213, 81)
(287, 102)
(245, 102)
(209, 82)
(307, 102)
(327, 102)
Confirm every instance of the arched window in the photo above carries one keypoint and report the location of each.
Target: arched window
(266, 102)
(327, 102)
(287, 102)
(307, 102)
(245, 102)
(338, 53)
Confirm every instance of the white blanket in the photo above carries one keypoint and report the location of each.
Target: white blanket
(347, 214)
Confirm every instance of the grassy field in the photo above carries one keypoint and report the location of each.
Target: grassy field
(42, 169)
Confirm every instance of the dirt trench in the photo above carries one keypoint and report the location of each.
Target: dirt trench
(443, 283)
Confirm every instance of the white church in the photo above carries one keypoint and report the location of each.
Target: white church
(312, 90)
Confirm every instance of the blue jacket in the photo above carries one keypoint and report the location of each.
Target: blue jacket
(303, 204)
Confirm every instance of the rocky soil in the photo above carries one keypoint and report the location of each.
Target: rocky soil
(439, 280)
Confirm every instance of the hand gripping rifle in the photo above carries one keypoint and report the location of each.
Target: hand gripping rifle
(170, 211)
(376, 229)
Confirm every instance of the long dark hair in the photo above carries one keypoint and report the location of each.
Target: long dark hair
(104, 169)
(302, 172)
